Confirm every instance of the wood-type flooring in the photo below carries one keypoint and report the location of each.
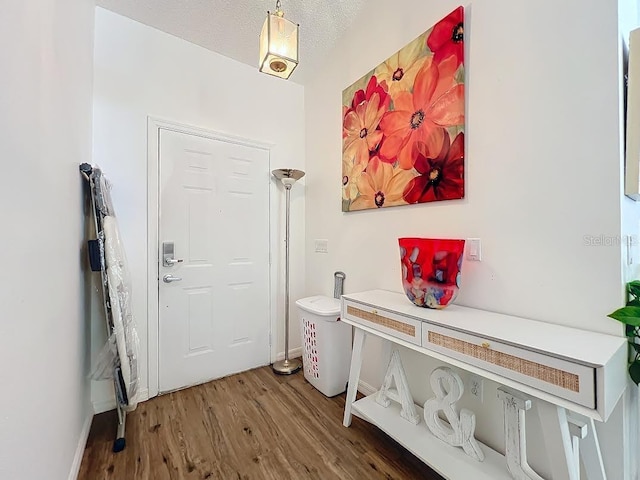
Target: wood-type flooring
(253, 425)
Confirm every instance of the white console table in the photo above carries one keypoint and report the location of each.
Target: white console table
(571, 370)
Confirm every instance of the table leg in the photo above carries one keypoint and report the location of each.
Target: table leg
(354, 374)
(590, 451)
(558, 441)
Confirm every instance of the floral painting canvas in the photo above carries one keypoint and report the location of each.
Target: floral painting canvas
(403, 124)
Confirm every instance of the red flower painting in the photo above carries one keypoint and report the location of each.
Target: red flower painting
(372, 87)
(436, 102)
(447, 37)
(440, 177)
(403, 124)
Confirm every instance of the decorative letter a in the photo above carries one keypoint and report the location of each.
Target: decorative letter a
(401, 393)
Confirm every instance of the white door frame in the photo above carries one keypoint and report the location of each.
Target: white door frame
(154, 125)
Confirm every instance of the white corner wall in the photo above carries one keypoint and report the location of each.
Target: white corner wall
(45, 133)
(629, 19)
(140, 71)
(542, 175)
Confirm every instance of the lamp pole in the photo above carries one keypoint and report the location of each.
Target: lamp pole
(288, 177)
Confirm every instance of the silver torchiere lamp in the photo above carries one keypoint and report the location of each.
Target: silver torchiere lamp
(288, 177)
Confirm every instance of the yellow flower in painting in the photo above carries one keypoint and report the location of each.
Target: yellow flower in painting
(360, 128)
(400, 70)
(351, 171)
(381, 185)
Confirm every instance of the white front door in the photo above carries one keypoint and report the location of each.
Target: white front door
(214, 209)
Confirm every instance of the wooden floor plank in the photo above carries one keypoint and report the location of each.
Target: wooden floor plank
(254, 425)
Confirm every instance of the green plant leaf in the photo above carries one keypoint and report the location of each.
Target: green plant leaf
(634, 371)
(634, 288)
(633, 303)
(636, 346)
(627, 315)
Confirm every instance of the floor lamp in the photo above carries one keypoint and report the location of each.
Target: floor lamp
(286, 367)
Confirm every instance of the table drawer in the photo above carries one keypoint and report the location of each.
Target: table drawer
(384, 321)
(571, 381)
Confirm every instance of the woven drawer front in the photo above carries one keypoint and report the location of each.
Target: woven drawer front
(568, 380)
(392, 324)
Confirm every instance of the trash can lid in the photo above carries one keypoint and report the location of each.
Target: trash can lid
(320, 305)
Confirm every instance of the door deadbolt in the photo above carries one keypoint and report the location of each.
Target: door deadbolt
(168, 253)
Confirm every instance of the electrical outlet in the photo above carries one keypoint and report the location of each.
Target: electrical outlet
(476, 385)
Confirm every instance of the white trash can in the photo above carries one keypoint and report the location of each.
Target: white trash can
(326, 344)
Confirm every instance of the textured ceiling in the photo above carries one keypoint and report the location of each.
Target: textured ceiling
(232, 27)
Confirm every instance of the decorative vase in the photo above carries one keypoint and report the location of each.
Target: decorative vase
(431, 270)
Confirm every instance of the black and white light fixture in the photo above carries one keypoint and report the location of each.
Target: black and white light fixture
(278, 44)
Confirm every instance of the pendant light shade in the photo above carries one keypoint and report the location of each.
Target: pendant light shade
(278, 45)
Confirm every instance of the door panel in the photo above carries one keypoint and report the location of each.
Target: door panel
(214, 206)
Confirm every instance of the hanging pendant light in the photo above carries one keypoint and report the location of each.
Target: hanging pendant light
(278, 44)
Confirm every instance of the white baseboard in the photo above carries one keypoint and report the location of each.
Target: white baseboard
(101, 406)
(293, 353)
(366, 389)
(82, 444)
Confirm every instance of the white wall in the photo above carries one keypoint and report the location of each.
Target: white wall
(542, 174)
(45, 133)
(140, 71)
(629, 19)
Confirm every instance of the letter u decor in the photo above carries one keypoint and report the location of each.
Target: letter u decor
(401, 394)
(572, 431)
(459, 432)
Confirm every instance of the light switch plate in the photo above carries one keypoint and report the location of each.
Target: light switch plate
(322, 246)
(474, 249)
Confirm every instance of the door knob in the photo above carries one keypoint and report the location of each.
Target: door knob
(168, 278)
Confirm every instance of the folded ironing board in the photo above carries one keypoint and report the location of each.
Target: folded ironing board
(118, 359)
(119, 296)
